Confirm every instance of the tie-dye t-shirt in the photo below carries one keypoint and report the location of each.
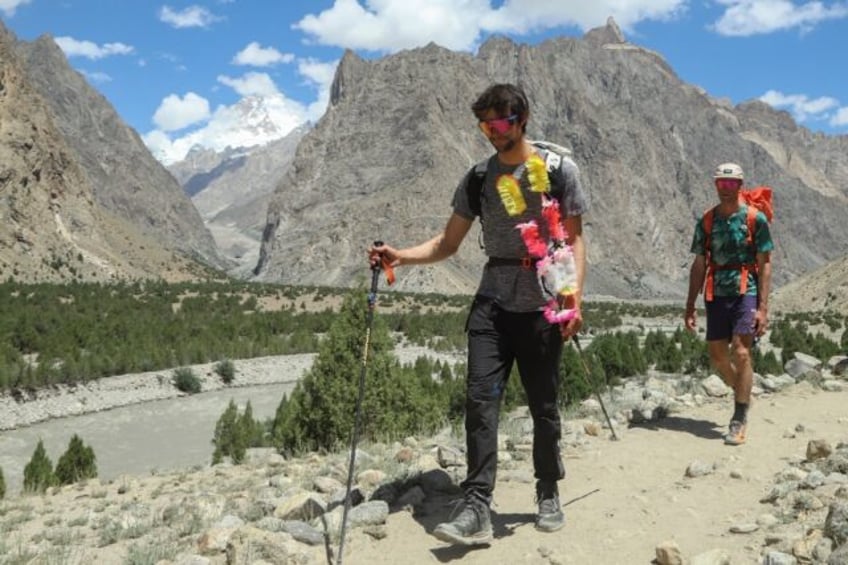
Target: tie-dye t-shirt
(729, 246)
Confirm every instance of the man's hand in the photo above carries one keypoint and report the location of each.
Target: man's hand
(760, 322)
(570, 328)
(690, 320)
(379, 253)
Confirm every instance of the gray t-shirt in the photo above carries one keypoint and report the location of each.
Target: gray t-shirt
(514, 288)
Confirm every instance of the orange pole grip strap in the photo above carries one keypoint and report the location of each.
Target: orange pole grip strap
(386, 265)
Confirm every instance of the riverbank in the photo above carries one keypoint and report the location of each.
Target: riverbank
(25, 409)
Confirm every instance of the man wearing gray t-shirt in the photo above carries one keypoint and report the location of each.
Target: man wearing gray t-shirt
(506, 323)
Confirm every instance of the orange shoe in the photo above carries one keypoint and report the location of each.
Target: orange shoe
(736, 433)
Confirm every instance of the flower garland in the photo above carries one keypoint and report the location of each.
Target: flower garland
(555, 266)
(509, 188)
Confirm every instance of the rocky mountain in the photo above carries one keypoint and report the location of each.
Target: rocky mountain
(51, 225)
(825, 288)
(398, 135)
(231, 189)
(125, 178)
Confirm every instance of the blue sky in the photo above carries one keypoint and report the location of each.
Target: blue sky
(181, 73)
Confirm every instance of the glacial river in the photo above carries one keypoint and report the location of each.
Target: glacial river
(153, 436)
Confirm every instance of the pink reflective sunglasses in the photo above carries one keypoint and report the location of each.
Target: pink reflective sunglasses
(498, 125)
(728, 184)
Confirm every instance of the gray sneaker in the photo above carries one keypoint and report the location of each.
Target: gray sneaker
(472, 526)
(550, 517)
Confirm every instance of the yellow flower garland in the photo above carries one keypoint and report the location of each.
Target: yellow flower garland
(509, 188)
(537, 174)
(510, 193)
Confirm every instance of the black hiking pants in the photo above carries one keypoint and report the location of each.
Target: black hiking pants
(496, 339)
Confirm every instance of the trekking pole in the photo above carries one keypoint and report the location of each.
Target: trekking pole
(372, 300)
(588, 376)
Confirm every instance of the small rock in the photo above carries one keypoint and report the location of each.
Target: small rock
(668, 553)
(699, 469)
(818, 449)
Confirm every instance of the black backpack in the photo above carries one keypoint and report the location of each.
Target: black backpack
(553, 159)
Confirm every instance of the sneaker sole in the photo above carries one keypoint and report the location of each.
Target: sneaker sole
(550, 527)
(483, 538)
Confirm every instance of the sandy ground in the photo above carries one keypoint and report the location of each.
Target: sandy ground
(623, 498)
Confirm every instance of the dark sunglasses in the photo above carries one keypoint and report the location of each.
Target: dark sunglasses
(728, 184)
(498, 125)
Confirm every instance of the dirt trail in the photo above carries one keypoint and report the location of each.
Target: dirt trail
(624, 498)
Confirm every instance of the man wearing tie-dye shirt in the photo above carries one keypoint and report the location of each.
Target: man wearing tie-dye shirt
(737, 270)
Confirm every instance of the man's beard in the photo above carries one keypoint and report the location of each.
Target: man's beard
(510, 145)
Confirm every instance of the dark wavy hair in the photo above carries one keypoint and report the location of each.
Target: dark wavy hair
(505, 99)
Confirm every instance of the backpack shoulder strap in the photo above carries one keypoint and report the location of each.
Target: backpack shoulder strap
(708, 224)
(751, 219)
(708, 229)
(554, 155)
(476, 176)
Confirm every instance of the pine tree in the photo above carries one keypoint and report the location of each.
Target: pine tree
(320, 412)
(77, 463)
(38, 473)
(250, 430)
(227, 439)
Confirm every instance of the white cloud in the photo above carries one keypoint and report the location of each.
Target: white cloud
(523, 16)
(96, 76)
(251, 84)
(391, 25)
(752, 17)
(193, 16)
(840, 118)
(175, 113)
(77, 48)
(257, 56)
(320, 75)
(8, 7)
(801, 106)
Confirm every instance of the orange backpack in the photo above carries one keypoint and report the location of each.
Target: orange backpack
(757, 199)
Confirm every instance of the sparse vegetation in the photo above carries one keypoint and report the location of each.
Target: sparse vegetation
(2, 485)
(226, 370)
(186, 381)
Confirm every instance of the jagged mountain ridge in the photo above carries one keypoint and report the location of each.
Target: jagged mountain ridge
(398, 135)
(125, 178)
(51, 227)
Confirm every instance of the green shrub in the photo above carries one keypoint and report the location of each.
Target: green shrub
(77, 463)
(320, 412)
(38, 473)
(186, 381)
(2, 485)
(226, 370)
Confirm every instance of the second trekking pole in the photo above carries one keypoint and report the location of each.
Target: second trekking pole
(592, 385)
(372, 300)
